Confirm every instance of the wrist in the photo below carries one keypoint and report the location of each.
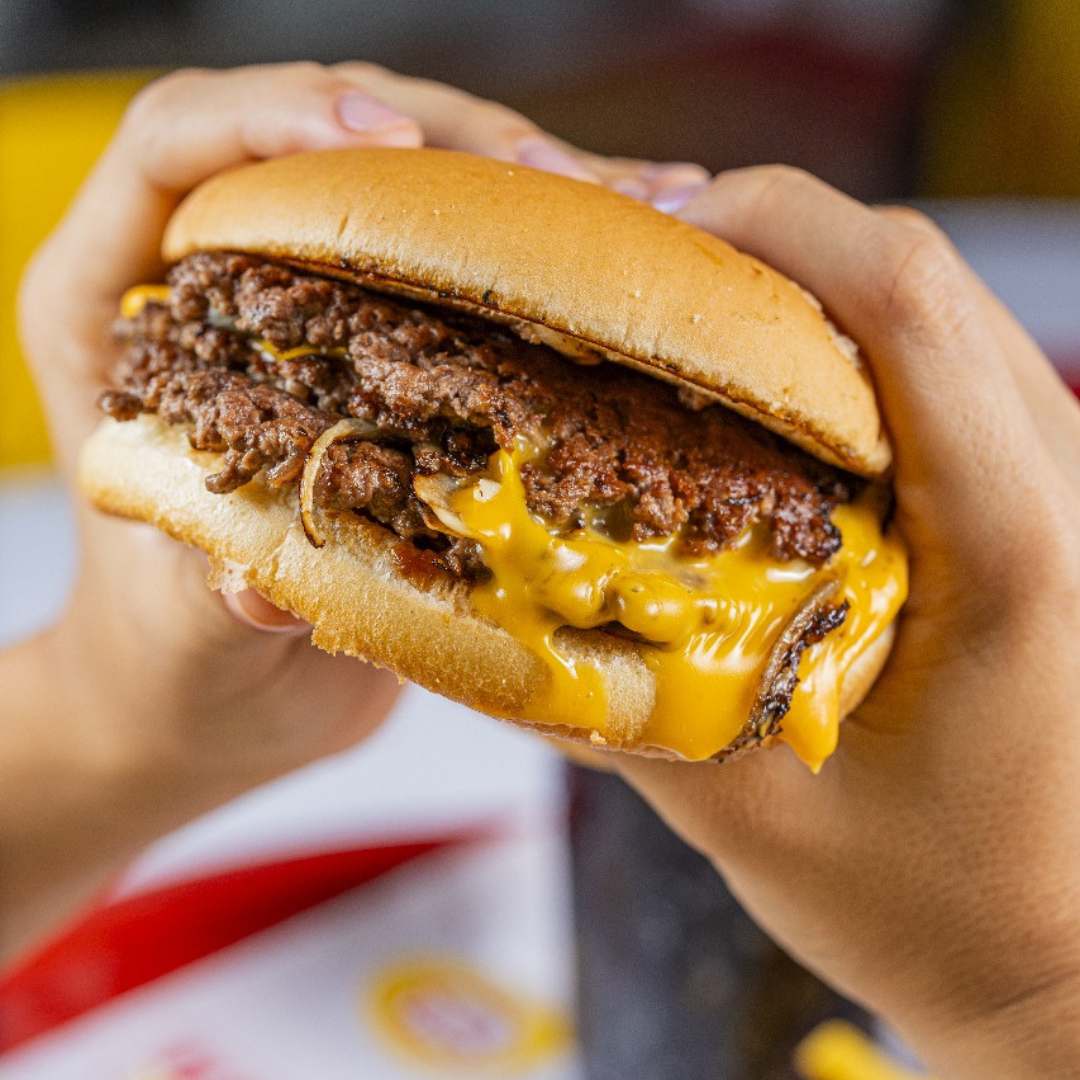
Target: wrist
(77, 806)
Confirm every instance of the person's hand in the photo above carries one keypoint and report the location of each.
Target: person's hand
(154, 698)
(456, 120)
(932, 869)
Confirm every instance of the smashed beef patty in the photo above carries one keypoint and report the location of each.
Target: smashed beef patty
(259, 359)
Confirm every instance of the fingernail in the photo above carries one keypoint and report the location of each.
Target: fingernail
(541, 154)
(257, 612)
(674, 199)
(358, 112)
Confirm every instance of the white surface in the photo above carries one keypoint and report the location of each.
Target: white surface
(293, 1003)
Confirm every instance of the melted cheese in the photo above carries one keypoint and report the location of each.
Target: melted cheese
(709, 624)
(273, 353)
(135, 299)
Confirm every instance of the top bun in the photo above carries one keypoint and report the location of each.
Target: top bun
(571, 264)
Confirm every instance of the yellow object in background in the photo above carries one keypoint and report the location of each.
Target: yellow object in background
(447, 1018)
(1003, 117)
(51, 131)
(840, 1051)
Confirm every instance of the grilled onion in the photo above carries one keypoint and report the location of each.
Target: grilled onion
(347, 430)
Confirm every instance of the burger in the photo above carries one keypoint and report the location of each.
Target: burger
(520, 439)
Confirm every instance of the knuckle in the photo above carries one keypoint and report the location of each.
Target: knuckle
(778, 183)
(924, 280)
(160, 96)
(278, 79)
(1054, 551)
(152, 112)
(692, 173)
(304, 72)
(507, 123)
(916, 220)
(766, 192)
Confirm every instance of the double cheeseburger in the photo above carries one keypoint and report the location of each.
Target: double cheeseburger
(529, 443)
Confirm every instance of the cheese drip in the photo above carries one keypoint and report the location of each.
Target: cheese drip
(708, 625)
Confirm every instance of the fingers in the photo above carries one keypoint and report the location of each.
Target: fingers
(257, 612)
(193, 124)
(453, 119)
(669, 186)
(946, 388)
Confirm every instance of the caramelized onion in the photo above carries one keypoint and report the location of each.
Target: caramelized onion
(784, 660)
(345, 430)
(434, 492)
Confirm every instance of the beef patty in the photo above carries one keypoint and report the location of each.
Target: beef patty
(259, 359)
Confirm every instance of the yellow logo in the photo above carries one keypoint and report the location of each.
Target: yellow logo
(447, 1017)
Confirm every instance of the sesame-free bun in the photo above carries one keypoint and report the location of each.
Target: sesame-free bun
(571, 264)
(359, 603)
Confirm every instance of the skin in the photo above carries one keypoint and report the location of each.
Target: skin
(928, 871)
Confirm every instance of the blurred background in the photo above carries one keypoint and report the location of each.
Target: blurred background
(887, 99)
(969, 107)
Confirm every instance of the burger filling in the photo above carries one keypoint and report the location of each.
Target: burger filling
(400, 413)
(260, 360)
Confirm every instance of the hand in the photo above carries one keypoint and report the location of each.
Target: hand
(154, 699)
(453, 119)
(931, 870)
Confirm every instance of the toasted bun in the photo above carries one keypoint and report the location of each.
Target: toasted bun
(569, 263)
(352, 592)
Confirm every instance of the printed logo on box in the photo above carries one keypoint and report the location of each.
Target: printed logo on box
(447, 1016)
(187, 1061)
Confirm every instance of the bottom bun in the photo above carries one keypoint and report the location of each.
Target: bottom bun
(355, 596)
